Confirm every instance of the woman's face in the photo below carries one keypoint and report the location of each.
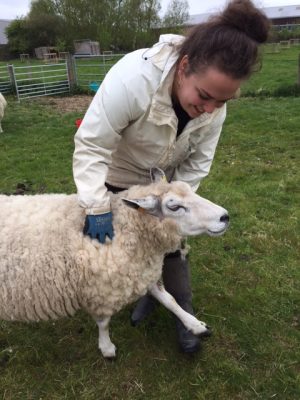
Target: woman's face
(204, 91)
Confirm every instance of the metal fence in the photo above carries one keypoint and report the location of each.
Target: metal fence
(40, 80)
(91, 70)
(5, 82)
(37, 80)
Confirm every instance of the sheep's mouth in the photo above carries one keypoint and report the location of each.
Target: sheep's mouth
(217, 233)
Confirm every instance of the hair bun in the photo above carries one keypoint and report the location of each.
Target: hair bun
(245, 17)
(228, 41)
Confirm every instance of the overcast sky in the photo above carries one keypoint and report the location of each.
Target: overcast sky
(10, 9)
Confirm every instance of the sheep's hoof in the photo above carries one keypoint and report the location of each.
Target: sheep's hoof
(206, 334)
(110, 358)
(109, 352)
(198, 328)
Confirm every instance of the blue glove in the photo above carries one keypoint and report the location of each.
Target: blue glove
(98, 226)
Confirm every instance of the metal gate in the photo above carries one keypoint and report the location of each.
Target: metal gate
(40, 80)
(91, 70)
(5, 82)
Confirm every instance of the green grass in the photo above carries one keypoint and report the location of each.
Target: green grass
(245, 284)
(36, 149)
(279, 74)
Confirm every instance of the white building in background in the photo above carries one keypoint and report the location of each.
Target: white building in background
(283, 16)
(3, 24)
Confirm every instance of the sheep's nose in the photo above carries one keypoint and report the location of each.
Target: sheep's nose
(224, 218)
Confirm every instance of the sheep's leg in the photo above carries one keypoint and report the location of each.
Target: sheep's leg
(108, 349)
(189, 321)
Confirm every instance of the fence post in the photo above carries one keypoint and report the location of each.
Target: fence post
(10, 69)
(71, 71)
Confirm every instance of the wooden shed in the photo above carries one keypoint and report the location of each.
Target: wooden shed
(86, 47)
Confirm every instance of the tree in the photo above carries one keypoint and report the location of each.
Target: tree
(45, 27)
(18, 36)
(116, 24)
(136, 23)
(177, 14)
(88, 19)
(44, 30)
(38, 7)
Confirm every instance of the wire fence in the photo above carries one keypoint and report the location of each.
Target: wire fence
(91, 70)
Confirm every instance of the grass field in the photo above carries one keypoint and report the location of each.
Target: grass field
(279, 73)
(245, 284)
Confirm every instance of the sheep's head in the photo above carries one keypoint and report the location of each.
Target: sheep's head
(192, 214)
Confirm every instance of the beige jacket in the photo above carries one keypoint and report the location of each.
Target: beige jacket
(131, 126)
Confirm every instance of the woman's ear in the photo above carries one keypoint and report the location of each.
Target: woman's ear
(183, 65)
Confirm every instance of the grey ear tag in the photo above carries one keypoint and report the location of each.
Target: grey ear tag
(157, 175)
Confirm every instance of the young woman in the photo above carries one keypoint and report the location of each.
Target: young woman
(165, 107)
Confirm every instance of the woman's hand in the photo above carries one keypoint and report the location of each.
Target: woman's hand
(98, 226)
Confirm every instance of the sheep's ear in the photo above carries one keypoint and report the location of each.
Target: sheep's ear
(157, 175)
(150, 204)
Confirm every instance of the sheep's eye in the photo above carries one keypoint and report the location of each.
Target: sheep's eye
(175, 207)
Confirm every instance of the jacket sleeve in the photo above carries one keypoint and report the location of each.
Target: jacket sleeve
(97, 137)
(197, 165)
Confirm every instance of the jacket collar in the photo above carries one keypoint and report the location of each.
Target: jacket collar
(163, 56)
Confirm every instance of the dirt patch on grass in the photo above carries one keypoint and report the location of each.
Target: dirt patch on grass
(66, 104)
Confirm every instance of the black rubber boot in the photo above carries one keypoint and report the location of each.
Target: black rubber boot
(188, 342)
(176, 278)
(143, 308)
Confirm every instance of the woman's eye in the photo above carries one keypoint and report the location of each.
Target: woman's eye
(203, 97)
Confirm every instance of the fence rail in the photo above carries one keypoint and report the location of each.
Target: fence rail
(5, 81)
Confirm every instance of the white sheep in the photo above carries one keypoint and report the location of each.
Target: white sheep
(49, 269)
(3, 104)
